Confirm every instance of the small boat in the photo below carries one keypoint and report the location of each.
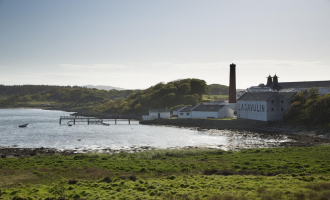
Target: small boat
(23, 125)
(69, 124)
(105, 124)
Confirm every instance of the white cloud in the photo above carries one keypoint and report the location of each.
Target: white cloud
(94, 66)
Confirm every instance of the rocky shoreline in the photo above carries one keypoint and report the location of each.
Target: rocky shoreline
(277, 131)
(243, 124)
(237, 140)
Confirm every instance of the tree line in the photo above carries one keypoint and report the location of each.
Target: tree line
(159, 96)
(13, 95)
(21, 90)
(309, 108)
(217, 89)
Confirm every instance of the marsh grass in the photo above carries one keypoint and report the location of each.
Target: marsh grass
(280, 173)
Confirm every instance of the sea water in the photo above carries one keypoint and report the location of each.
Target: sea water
(45, 131)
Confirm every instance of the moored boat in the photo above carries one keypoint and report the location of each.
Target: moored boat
(23, 125)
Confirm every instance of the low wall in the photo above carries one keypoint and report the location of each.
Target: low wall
(210, 124)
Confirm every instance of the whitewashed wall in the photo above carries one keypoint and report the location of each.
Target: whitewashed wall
(184, 115)
(226, 112)
(233, 106)
(176, 112)
(256, 110)
(162, 115)
(203, 114)
(147, 118)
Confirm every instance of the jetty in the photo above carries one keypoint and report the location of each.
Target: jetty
(94, 120)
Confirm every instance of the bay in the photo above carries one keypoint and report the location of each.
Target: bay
(45, 131)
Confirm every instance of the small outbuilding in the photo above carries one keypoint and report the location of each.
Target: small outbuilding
(157, 114)
(175, 112)
(185, 112)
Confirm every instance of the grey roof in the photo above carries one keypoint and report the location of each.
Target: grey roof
(264, 96)
(256, 96)
(178, 108)
(210, 108)
(305, 84)
(187, 109)
(288, 95)
(159, 110)
(259, 89)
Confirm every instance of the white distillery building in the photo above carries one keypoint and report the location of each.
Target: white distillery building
(206, 111)
(185, 112)
(274, 86)
(269, 102)
(157, 114)
(263, 106)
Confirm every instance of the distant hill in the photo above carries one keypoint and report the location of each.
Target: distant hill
(103, 87)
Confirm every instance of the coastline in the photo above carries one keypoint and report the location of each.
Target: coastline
(243, 124)
(298, 136)
(238, 140)
(242, 134)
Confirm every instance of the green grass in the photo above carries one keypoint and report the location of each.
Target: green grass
(279, 173)
(215, 97)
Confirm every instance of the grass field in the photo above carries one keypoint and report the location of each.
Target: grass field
(279, 173)
(215, 97)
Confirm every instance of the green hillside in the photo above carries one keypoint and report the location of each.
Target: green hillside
(160, 96)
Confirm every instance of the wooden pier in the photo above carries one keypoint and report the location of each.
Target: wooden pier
(94, 120)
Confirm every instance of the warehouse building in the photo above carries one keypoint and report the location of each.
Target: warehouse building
(263, 106)
(270, 102)
(206, 111)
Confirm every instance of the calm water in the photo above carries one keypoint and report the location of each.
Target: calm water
(44, 131)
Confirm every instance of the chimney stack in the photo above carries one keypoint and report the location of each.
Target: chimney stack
(275, 84)
(269, 81)
(232, 83)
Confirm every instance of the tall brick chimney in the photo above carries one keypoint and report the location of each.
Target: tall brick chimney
(232, 83)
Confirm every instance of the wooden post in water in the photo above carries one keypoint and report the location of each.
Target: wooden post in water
(129, 121)
(88, 121)
(74, 121)
(60, 121)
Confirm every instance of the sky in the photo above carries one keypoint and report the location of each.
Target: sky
(135, 44)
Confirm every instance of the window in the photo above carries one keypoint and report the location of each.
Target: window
(181, 113)
(281, 101)
(272, 109)
(188, 113)
(272, 101)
